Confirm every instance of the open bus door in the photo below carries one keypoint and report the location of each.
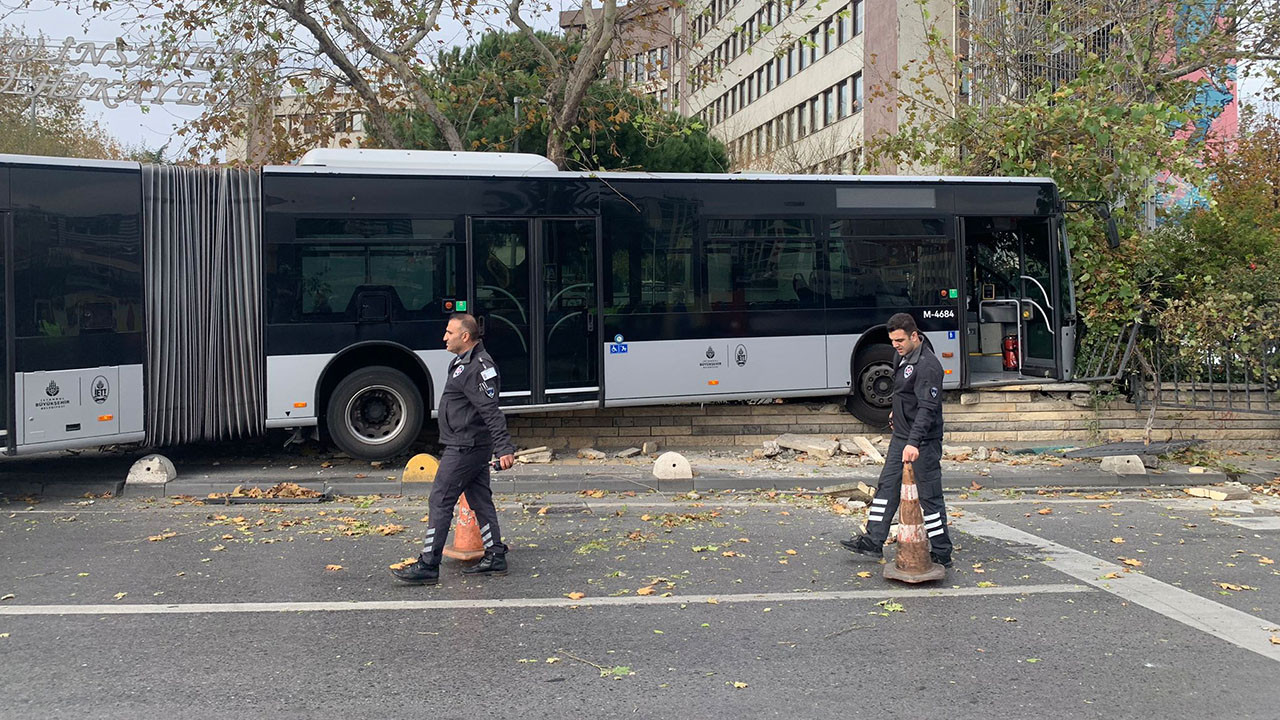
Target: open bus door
(536, 296)
(1014, 315)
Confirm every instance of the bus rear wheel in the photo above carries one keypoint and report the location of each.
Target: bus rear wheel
(871, 399)
(375, 413)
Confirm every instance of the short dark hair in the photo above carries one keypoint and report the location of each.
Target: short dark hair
(903, 322)
(468, 323)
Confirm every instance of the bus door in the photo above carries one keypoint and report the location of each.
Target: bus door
(535, 294)
(7, 440)
(1012, 307)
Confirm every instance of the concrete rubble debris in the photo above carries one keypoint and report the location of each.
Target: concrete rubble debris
(628, 453)
(151, 470)
(983, 454)
(1124, 465)
(650, 447)
(672, 466)
(812, 444)
(869, 449)
(1225, 491)
(591, 454)
(770, 448)
(854, 504)
(859, 491)
(539, 457)
(956, 452)
(849, 447)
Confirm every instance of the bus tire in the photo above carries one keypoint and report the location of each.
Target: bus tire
(375, 413)
(871, 397)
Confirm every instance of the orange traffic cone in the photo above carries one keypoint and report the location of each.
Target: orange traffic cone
(913, 564)
(465, 544)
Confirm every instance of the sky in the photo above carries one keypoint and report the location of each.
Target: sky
(154, 126)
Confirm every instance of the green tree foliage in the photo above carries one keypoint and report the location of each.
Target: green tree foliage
(60, 128)
(1103, 96)
(492, 93)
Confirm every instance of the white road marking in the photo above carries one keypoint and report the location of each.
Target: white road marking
(1252, 523)
(1223, 622)
(543, 602)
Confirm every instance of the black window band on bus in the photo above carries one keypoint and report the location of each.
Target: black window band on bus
(889, 263)
(317, 272)
(761, 264)
(925, 198)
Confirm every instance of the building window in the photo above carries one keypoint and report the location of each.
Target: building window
(827, 37)
(829, 107)
(768, 76)
(842, 26)
(857, 92)
(842, 98)
(815, 46)
(858, 18)
(802, 113)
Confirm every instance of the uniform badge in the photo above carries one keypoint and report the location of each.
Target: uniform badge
(458, 370)
(906, 373)
(484, 386)
(933, 392)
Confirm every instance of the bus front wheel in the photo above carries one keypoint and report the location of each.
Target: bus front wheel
(871, 398)
(375, 413)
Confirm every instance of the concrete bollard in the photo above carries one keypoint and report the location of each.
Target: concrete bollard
(672, 466)
(151, 470)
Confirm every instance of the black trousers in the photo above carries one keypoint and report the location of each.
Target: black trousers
(461, 470)
(928, 468)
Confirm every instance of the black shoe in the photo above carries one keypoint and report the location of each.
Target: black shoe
(944, 561)
(863, 545)
(417, 573)
(491, 564)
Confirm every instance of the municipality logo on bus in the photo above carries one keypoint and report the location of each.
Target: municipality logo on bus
(740, 355)
(101, 390)
(53, 389)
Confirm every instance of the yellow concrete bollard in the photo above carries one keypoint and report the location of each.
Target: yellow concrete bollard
(420, 469)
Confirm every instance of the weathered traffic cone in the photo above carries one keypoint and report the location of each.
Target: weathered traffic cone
(913, 564)
(465, 544)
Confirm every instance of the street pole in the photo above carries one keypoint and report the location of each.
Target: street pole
(516, 128)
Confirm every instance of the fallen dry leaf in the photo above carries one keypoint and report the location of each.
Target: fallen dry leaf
(973, 485)
(1105, 506)
(1045, 511)
(739, 685)
(791, 552)
(1275, 639)
(712, 601)
(403, 564)
(1117, 540)
(864, 574)
(1111, 576)
(645, 591)
(1131, 562)
(390, 529)
(1266, 561)
(120, 595)
(332, 568)
(162, 536)
(544, 509)
(575, 595)
(646, 518)
(729, 553)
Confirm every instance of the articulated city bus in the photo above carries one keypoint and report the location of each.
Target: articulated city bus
(163, 305)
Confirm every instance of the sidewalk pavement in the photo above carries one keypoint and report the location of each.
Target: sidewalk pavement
(220, 469)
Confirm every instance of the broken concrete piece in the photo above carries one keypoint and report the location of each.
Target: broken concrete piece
(770, 448)
(649, 447)
(1196, 470)
(812, 444)
(983, 454)
(540, 457)
(869, 450)
(1226, 491)
(629, 452)
(672, 466)
(852, 491)
(849, 447)
(854, 504)
(1124, 465)
(957, 452)
(591, 454)
(151, 470)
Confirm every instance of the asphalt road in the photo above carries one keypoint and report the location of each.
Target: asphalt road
(754, 612)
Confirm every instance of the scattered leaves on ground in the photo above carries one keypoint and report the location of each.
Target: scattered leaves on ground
(986, 584)
(161, 536)
(332, 568)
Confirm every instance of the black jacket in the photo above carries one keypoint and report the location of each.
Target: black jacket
(469, 415)
(917, 397)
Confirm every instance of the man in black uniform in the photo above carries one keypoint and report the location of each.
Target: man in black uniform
(917, 439)
(472, 428)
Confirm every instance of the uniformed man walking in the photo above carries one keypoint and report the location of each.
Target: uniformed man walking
(472, 428)
(917, 439)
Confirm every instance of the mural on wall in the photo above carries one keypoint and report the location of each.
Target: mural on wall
(1215, 107)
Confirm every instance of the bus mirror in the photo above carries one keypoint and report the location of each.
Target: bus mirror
(1113, 233)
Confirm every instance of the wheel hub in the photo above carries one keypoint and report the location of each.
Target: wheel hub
(376, 414)
(876, 385)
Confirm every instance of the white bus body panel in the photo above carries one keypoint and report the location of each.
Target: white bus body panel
(659, 369)
(294, 379)
(62, 408)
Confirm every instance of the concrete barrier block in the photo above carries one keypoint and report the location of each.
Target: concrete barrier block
(151, 470)
(1124, 465)
(672, 466)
